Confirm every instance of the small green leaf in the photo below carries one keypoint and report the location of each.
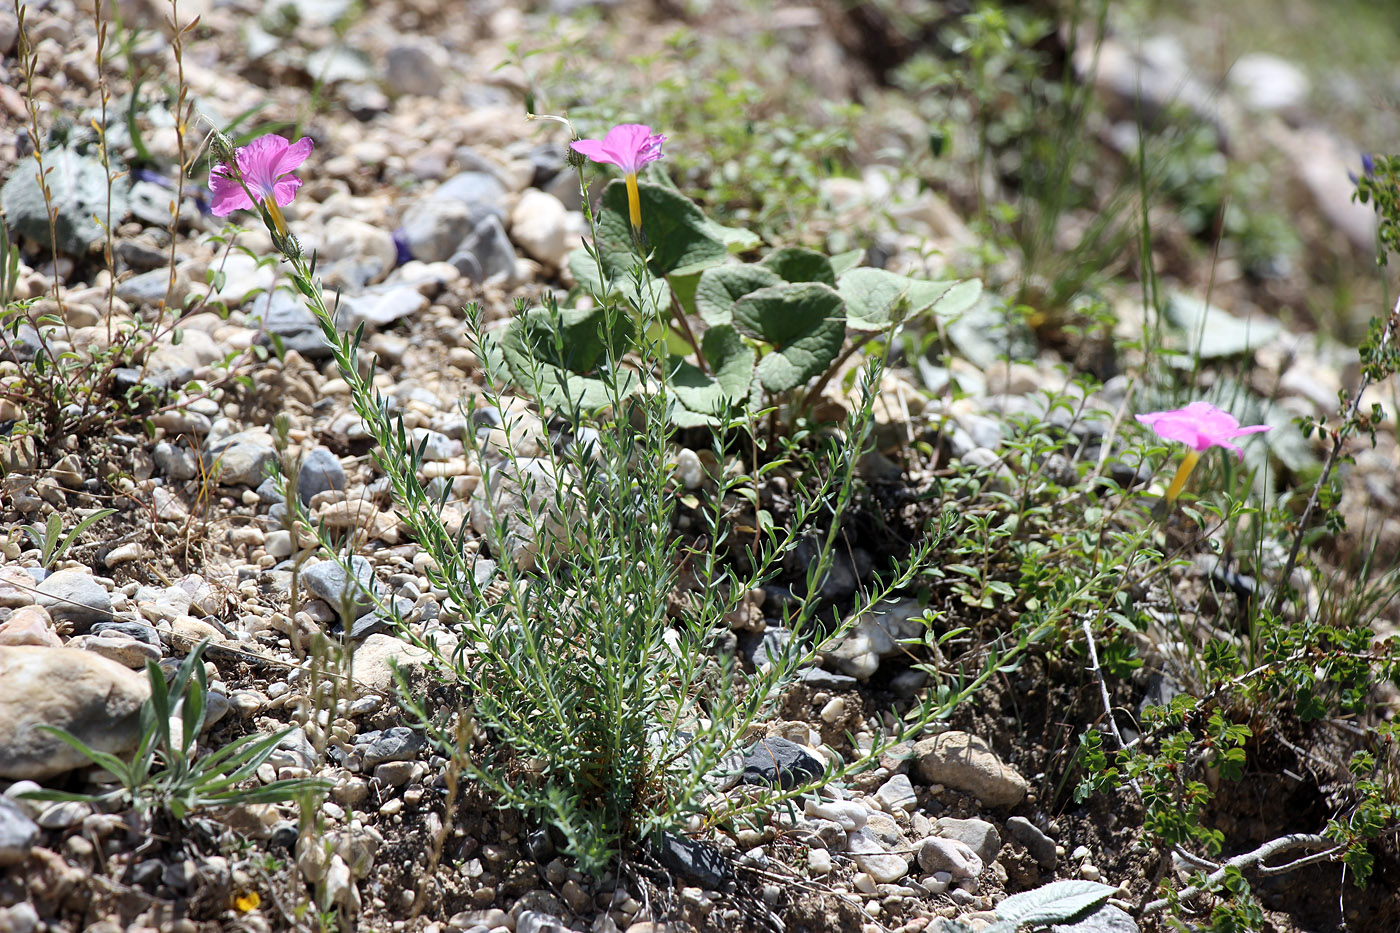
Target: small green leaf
(721, 286)
(805, 323)
(796, 264)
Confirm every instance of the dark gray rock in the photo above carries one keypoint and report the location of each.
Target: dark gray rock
(778, 762)
(1040, 846)
(22, 345)
(320, 471)
(410, 69)
(490, 246)
(819, 679)
(693, 858)
(267, 492)
(175, 462)
(761, 649)
(435, 227)
(397, 744)
(241, 459)
(481, 191)
(148, 288)
(141, 257)
(149, 202)
(371, 623)
(284, 316)
(978, 835)
(134, 630)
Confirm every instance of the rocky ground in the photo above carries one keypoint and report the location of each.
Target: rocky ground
(429, 190)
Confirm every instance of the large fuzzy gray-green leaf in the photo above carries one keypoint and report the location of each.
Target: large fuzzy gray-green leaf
(680, 238)
(78, 188)
(622, 282)
(731, 363)
(1210, 333)
(842, 263)
(721, 286)
(806, 324)
(796, 264)
(877, 298)
(1057, 902)
(874, 298)
(561, 364)
(947, 298)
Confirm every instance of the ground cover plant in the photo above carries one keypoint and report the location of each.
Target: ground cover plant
(739, 542)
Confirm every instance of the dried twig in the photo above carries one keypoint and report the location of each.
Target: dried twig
(1252, 860)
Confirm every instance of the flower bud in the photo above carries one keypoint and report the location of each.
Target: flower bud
(223, 150)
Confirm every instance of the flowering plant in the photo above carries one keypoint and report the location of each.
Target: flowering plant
(258, 172)
(1201, 426)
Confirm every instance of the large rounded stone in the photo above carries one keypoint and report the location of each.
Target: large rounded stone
(76, 597)
(966, 763)
(92, 697)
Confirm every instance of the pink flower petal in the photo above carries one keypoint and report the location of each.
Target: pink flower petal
(1201, 426)
(629, 146)
(226, 195)
(593, 149)
(286, 189)
(294, 155)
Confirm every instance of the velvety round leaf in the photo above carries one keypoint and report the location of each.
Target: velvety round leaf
(842, 263)
(622, 282)
(721, 286)
(731, 363)
(796, 264)
(875, 298)
(948, 299)
(558, 360)
(804, 322)
(680, 238)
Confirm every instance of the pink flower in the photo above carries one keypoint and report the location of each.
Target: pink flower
(265, 165)
(1201, 426)
(629, 146)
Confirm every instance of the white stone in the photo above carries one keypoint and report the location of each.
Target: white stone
(540, 226)
(848, 815)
